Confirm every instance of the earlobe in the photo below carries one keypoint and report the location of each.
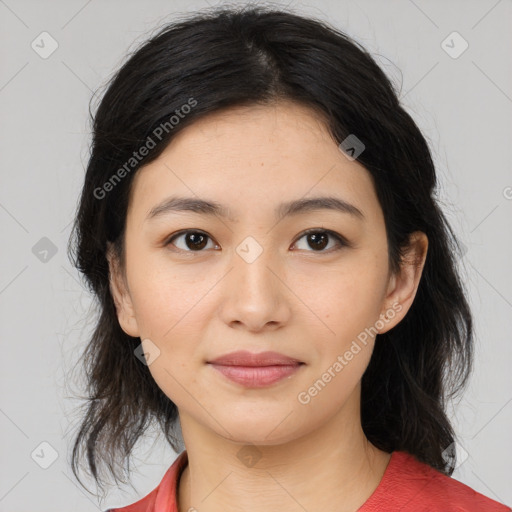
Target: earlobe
(120, 295)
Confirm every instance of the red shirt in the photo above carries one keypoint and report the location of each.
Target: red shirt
(406, 486)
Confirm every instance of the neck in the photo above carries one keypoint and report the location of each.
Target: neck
(333, 468)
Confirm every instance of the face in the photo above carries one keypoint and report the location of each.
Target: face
(310, 283)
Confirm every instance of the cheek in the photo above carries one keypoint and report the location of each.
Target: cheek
(168, 300)
(346, 299)
(170, 307)
(348, 306)
(176, 379)
(329, 389)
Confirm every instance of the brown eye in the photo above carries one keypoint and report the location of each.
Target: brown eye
(192, 241)
(318, 240)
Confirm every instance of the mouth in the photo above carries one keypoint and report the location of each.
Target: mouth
(246, 358)
(256, 370)
(257, 376)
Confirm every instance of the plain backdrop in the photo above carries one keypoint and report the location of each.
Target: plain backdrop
(460, 97)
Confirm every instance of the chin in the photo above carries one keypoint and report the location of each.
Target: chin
(261, 430)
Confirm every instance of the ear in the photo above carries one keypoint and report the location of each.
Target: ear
(121, 295)
(403, 286)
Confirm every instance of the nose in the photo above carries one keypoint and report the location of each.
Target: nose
(255, 294)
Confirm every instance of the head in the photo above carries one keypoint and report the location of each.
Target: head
(278, 237)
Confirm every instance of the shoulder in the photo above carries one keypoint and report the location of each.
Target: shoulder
(412, 486)
(448, 494)
(164, 496)
(146, 504)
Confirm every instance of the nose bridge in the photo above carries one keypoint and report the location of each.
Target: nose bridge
(253, 262)
(254, 294)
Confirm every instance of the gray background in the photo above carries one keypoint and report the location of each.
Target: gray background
(463, 105)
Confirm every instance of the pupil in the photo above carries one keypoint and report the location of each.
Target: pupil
(315, 239)
(198, 240)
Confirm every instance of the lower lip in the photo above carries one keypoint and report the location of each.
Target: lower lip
(256, 376)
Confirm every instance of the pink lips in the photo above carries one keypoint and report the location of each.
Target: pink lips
(255, 370)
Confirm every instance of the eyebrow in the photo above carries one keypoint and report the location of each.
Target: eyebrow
(202, 206)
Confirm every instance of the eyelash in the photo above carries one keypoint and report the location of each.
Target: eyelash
(342, 242)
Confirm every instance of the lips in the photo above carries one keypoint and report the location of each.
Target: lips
(255, 370)
(245, 358)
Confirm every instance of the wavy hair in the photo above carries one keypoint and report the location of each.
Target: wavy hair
(258, 55)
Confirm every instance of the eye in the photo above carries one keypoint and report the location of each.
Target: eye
(193, 241)
(196, 241)
(318, 239)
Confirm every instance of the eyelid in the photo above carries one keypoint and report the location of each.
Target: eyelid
(342, 241)
(169, 239)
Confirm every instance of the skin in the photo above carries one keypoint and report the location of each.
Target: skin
(305, 302)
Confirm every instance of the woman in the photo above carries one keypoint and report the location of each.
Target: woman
(277, 283)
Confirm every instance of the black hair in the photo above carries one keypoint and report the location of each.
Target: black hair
(233, 56)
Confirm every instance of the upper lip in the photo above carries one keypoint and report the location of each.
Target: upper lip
(245, 358)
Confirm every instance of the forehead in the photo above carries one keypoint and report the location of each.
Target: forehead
(253, 157)
(259, 134)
